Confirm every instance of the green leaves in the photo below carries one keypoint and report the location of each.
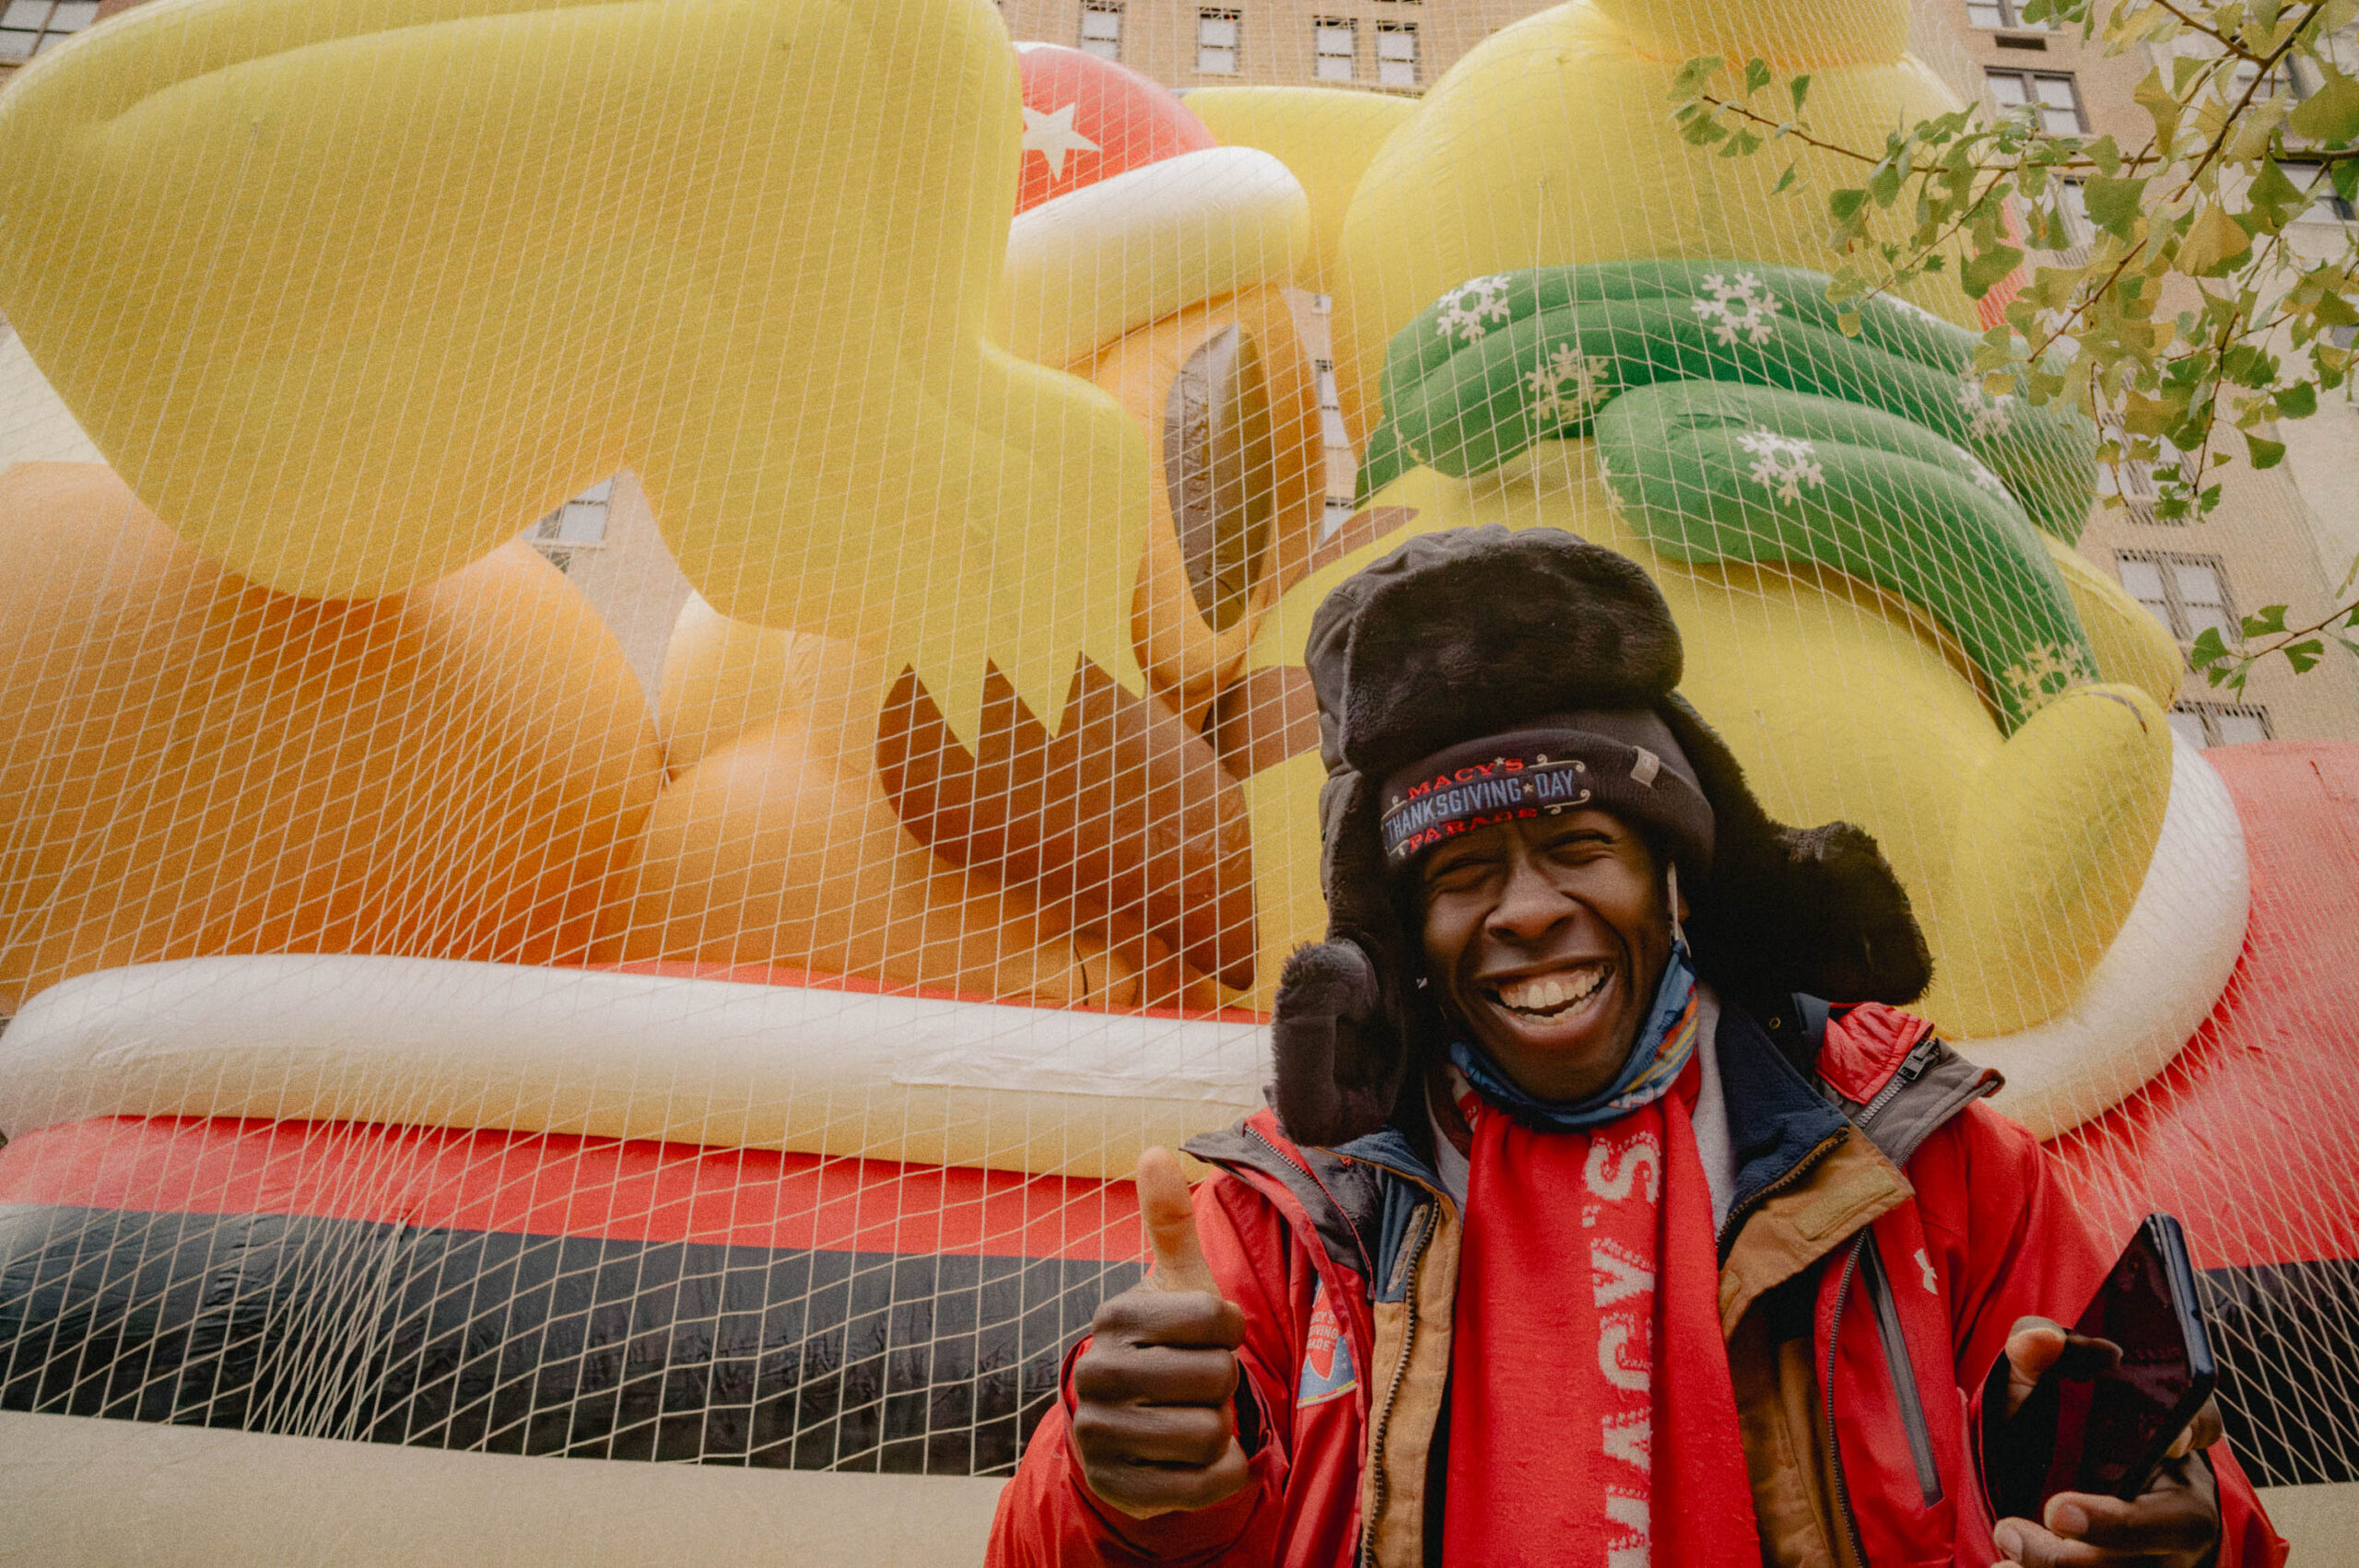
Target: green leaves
(2275, 199)
(1693, 75)
(2330, 115)
(2214, 242)
(1987, 269)
(2113, 205)
(2218, 212)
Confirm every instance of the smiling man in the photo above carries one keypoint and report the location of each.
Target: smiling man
(1580, 1231)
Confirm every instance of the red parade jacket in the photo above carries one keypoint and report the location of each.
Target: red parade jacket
(1863, 1308)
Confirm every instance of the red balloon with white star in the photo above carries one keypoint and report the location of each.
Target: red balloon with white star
(1086, 119)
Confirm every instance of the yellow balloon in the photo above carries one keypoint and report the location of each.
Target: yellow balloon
(1551, 142)
(2022, 855)
(435, 265)
(1326, 136)
(192, 766)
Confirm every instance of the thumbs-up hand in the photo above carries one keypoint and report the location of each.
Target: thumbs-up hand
(1153, 1421)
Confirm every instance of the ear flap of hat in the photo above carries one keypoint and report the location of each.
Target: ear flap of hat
(1788, 910)
(1339, 1028)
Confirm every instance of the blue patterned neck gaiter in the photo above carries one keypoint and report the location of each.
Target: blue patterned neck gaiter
(1656, 1058)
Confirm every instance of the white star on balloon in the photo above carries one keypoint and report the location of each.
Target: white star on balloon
(1052, 136)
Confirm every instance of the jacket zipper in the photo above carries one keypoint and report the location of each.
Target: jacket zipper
(1904, 1375)
(1834, 1446)
(1392, 1388)
(1802, 1167)
(1912, 1067)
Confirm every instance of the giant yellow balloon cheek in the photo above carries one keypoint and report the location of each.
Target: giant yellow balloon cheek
(1229, 402)
(432, 265)
(192, 766)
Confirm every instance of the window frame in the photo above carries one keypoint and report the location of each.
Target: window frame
(1350, 28)
(44, 35)
(2011, 17)
(2029, 78)
(545, 533)
(2183, 630)
(1416, 61)
(1208, 16)
(1112, 9)
(2209, 714)
(2139, 482)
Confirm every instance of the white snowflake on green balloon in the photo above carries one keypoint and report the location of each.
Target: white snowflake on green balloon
(1569, 386)
(2046, 672)
(1782, 464)
(1468, 311)
(1742, 309)
(1987, 415)
(1978, 473)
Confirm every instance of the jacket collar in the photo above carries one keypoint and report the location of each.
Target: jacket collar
(1777, 1120)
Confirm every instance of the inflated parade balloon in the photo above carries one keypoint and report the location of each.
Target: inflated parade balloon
(448, 1042)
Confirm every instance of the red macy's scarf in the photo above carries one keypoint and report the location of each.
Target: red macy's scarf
(1592, 1422)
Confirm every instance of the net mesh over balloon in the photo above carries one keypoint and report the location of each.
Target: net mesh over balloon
(651, 708)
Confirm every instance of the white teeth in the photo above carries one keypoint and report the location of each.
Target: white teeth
(1546, 993)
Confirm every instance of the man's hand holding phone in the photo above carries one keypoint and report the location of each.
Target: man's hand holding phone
(2175, 1523)
(1153, 1422)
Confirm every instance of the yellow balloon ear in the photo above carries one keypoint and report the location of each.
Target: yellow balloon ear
(1326, 136)
(456, 259)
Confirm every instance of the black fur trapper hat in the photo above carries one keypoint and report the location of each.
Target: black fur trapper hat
(1473, 632)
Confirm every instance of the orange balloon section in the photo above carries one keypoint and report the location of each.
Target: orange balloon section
(192, 766)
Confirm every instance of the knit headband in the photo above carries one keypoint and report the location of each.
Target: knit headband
(1628, 763)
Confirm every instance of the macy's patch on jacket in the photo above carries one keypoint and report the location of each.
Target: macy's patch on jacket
(1327, 1370)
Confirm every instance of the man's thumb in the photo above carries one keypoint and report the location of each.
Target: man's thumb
(2034, 1345)
(1170, 1220)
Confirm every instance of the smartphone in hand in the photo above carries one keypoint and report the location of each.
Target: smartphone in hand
(2136, 1368)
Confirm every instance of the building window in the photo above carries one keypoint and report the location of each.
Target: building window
(2324, 203)
(2187, 593)
(1337, 42)
(2220, 723)
(1101, 29)
(2139, 483)
(2001, 16)
(2051, 93)
(2072, 204)
(28, 27)
(1217, 43)
(1330, 406)
(579, 524)
(2279, 83)
(1396, 54)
